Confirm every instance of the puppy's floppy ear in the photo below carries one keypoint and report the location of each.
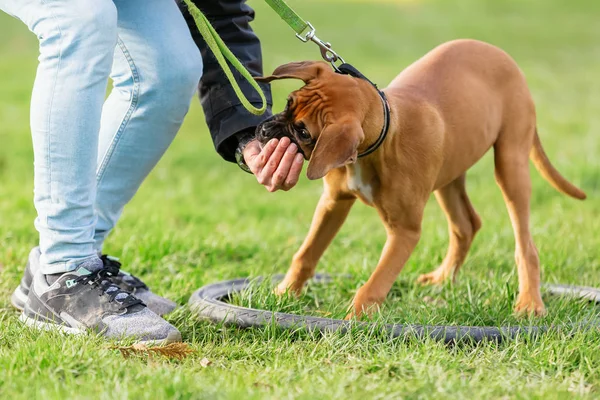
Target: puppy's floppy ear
(337, 145)
(304, 70)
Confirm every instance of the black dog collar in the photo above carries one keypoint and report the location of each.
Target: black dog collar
(347, 69)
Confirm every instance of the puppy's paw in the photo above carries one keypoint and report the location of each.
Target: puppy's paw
(433, 278)
(285, 287)
(364, 305)
(527, 306)
(365, 311)
(350, 316)
(358, 314)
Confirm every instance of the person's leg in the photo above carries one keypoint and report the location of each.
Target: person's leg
(71, 290)
(76, 42)
(156, 70)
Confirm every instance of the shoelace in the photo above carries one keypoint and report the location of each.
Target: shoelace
(129, 280)
(100, 280)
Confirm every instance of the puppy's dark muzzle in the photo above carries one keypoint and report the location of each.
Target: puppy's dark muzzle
(274, 128)
(268, 129)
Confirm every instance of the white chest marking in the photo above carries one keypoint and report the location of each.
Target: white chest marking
(356, 183)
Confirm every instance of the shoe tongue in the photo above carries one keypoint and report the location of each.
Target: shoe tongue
(89, 266)
(85, 268)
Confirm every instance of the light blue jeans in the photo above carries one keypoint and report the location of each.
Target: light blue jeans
(91, 155)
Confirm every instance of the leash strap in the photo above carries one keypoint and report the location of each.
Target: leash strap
(222, 54)
(290, 16)
(347, 69)
(299, 25)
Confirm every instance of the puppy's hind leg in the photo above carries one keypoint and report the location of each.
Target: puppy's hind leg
(512, 175)
(463, 224)
(331, 212)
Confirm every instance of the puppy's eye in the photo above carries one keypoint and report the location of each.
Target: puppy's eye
(304, 134)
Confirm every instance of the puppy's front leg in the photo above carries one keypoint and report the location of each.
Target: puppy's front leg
(398, 248)
(402, 214)
(331, 212)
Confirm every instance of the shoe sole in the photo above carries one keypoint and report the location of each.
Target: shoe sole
(48, 326)
(173, 337)
(18, 298)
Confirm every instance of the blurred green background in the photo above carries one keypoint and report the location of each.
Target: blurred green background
(198, 219)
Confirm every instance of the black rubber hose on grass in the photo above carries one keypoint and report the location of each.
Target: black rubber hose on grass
(209, 303)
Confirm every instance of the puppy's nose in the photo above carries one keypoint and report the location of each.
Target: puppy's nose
(265, 127)
(262, 132)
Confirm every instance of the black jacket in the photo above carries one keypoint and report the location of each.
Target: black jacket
(227, 119)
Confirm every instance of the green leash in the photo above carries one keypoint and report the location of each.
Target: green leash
(299, 25)
(290, 16)
(223, 54)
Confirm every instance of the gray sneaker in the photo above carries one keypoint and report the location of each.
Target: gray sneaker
(85, 299)
(122, 279)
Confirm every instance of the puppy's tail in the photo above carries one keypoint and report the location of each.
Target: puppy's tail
(546, 169)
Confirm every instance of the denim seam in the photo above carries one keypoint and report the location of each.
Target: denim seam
(49, 122)
(126, 118)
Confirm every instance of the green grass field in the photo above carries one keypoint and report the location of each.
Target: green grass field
(199, 220)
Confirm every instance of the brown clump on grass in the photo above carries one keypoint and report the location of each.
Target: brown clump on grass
(177, 351)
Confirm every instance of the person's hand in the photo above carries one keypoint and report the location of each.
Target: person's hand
(277, 166)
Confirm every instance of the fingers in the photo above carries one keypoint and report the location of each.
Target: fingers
(280, 175)
(257, 158)
(267, 152)
(251, 156)
(251, 150)
(277, 165)
(294, 172)
(265, 176)
(258, 163)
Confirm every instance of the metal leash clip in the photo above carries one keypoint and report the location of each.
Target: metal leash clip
(326, 51)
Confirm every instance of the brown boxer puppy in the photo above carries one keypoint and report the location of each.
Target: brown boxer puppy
(447, 110)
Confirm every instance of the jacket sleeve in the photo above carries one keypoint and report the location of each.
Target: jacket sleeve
(227, 119)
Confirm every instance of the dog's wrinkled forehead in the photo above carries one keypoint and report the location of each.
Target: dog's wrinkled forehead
(323, 90)
(303, 103)
(322, 117)
(325, 98)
